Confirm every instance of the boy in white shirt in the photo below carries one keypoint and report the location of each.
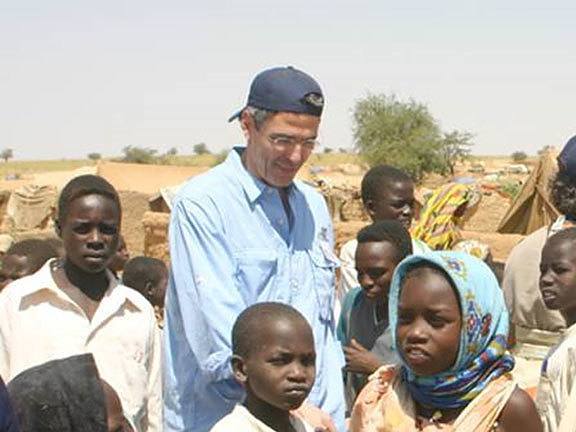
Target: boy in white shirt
(75, 305)
(274, 359)
(558, 290)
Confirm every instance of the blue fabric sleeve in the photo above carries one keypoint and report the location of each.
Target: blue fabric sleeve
(344, 321)
(203, 282)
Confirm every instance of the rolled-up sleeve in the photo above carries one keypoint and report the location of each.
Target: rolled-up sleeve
(202, 304)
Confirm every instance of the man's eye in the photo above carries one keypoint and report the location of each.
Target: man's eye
(283, 141)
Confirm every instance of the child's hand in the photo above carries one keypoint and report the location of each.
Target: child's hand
(359, 359)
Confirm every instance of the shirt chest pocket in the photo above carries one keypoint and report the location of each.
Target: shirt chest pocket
(323, 266)
(255, 274)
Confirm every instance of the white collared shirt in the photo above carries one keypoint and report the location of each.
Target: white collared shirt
(241, 420)
(39, 323)
(558, 382)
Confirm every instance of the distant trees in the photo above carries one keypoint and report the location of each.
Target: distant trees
(200, 149)
(94, 156)
(7, 154)
(406, 135)
(519, 156)
(545, 149)
(173, 151)
(455, 147)
(140, 155)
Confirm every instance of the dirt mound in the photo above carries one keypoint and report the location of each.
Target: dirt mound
(146, 178)
(134, 205)
(490, 212)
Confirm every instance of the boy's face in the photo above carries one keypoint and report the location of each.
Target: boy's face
(280, 370)
(558, 275)
(14, 267)
(90, 232)
(120, 258)
(375, 264)
(159, 290)
(394, 201)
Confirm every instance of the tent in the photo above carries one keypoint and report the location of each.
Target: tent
(532, 208)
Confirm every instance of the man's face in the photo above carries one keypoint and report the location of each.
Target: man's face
(394, 201)
(90, 232)
(276, 151)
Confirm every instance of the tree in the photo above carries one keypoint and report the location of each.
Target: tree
(94, 156)
(139, 155)
(455, 147)
(519, 156)
(201, 149)
(403, 134)
(328, 150)
(173, 151)
(7, 154)
(545, 149)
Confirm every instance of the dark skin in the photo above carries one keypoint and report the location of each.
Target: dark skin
(278, 372)
(393, 201)
(90, 233)
(114, 413)
(429, 325)
(375, 263)
(558, 277)
(14, 267)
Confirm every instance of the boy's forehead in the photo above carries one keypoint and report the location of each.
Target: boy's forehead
(92, 202)
(394, 185)
(271, 330)
(561, 245)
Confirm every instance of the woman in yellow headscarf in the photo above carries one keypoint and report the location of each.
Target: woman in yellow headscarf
(446, 209)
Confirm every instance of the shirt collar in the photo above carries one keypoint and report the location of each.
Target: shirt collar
(43, 280)
(253, 186)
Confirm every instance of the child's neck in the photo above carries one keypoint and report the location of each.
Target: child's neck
(381, 307)
(93, 285)
(275, 418)
(569, 316)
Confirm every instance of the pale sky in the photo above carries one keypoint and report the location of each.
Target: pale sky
(79, 77)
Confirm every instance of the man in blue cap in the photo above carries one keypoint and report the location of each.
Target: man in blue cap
(247, 232)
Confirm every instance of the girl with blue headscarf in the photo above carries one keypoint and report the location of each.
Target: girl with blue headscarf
(450, 326)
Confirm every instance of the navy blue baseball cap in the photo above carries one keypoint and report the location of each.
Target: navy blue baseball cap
(285, 89)
(567, 158)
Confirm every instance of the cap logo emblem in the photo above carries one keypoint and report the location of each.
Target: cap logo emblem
(314, 99)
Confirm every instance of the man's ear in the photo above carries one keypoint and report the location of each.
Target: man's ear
(246, 124)
(239, 369)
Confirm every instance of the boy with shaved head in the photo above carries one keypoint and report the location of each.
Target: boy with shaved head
(275, 361)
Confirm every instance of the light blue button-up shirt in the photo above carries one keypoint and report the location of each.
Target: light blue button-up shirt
(233, 245)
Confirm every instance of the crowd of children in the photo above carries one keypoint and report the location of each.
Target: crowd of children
(424, 332)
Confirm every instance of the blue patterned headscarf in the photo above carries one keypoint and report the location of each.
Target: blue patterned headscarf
(482, 354)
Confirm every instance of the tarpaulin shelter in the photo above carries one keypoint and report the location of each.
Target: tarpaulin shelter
(31, 206)
(533, 208)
